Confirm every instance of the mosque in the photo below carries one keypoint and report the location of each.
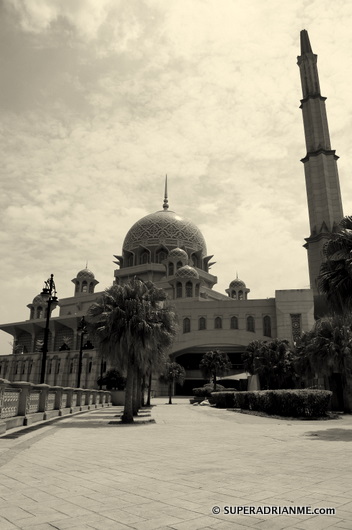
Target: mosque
(169, 250)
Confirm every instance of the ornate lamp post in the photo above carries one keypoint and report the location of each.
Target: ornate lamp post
(82, 329)
(49, 294)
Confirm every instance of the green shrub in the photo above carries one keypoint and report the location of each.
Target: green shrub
(297, 403)
(223, 399)
(206, 390)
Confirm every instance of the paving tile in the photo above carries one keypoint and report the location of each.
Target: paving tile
(170, 474)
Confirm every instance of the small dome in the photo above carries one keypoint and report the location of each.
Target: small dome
(186, 272)
(85, 273)
(178, 253)
(39, 300)
(237, 283)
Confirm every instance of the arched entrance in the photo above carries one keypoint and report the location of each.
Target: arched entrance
(190, 359)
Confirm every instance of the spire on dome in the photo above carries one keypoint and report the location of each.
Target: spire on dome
(305, 42)
(166, 202)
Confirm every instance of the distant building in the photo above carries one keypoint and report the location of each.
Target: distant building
(170, 250)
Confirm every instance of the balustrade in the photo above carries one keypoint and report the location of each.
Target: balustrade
(22, 403)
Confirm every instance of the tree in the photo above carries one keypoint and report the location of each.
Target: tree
(326, 350)
(213, 364)
(113, 380)
(272, 361)
(173, 373)
(335, 277)
(127, 323)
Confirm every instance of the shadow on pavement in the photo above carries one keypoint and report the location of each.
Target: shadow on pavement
(332, 435)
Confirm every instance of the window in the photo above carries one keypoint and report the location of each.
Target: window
(234, 323)
(90, 366)
(58, 367)
(84, 287)
(91, 287)
(189, 289)
(267, 326)
(160, 256)
(240, 295)
(39, 312)
(178, 290)
(186, 325)
(197, 290)
(171, 269)
(234, 295)
(202, 323)
(179, 265)
(250, 324)
(77, 287)
(130, 260)
(143, 258)
(32, 313)
(218, 323)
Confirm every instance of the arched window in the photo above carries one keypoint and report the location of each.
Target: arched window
(218, 323)
(77, 287)
(202, 323)
(250, 324)
(143, 258)
(130, 260)
(160, 256)
(32, 313)
(179, 265)
(240, 295)
(186, 325)
(178, 290)
(58, 367)
(39, 312)
(90, 366)
(197, 290)
(189, 289)
(267, 326)
(91, 287)
(84, 286)
(234, 295)
(234, 323)
(171, 269)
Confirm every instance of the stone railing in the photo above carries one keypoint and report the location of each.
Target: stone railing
(23, 403)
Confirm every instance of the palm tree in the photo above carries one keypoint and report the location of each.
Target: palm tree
(215, 363)
(335, 278)
(173, 373)
(127, 323)
(272, 361)
(327, 349)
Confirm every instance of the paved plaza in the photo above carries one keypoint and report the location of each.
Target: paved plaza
(82, 472)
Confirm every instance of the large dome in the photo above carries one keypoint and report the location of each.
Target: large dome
(167, 228)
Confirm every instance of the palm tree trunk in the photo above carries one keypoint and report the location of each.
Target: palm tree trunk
(214, 381)
(143, 391)
(127, 416)
(170, 392)
(149, 387)
(134, 398)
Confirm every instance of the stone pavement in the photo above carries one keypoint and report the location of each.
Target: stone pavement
(82, 472)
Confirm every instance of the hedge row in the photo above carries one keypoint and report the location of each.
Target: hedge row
(296, 403)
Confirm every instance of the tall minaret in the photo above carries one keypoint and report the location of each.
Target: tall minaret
(320, 168)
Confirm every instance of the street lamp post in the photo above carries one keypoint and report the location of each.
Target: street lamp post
(82, 328)
(48, 293)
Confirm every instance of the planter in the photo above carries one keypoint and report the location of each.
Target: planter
(118, 397)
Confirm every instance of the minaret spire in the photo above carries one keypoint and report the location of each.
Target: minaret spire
(320, 168)
(166, 201)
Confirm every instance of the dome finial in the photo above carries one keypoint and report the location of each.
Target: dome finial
(166, 202)
(236, 275)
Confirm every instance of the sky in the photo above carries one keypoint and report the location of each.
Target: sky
(99, 99)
